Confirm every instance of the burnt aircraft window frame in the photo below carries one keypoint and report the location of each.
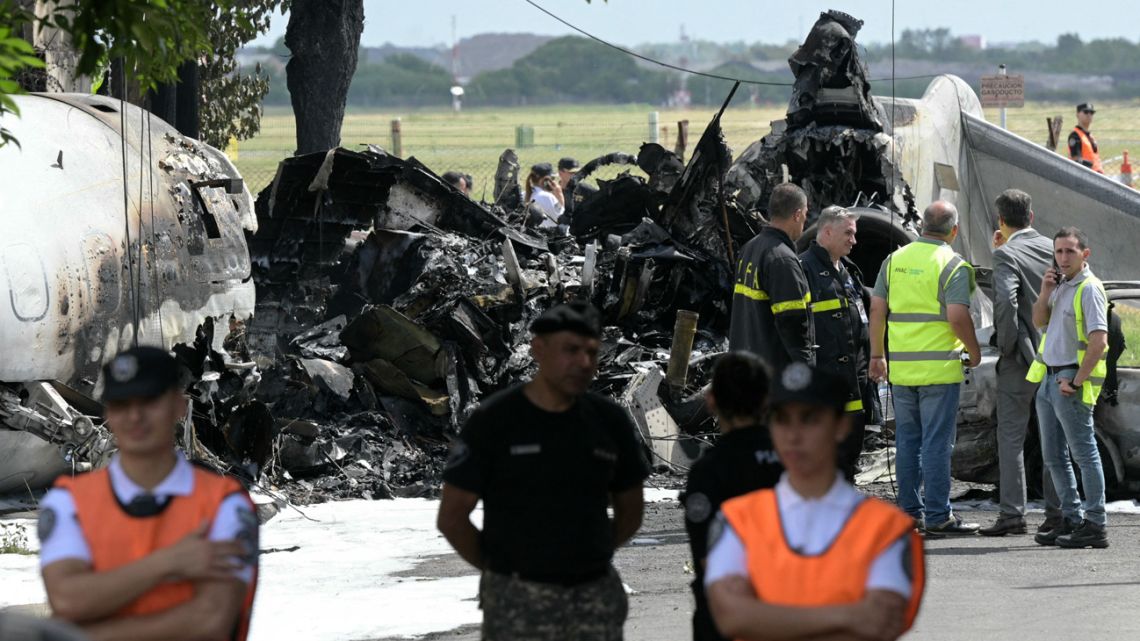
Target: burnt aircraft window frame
(209, 219)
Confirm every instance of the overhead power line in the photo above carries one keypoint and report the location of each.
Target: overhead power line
(694, 72)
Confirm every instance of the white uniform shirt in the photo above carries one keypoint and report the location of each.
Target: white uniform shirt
(548, 203)
(810, 526)
(61, 536)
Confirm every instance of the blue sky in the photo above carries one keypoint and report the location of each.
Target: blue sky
(631, 22)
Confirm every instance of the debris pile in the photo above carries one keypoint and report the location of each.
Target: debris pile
(389, 304)
(835, 142)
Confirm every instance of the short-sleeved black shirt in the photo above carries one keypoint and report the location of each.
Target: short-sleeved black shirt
(743, 460)
(545, 480)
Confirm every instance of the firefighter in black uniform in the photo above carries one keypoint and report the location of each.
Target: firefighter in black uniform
(839, 313)
(743, 460)
(770, 298)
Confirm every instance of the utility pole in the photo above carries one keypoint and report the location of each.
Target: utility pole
(1002, 71)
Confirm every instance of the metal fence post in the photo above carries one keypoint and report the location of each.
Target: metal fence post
(653, 131)
(1003, 71)
(397, 139)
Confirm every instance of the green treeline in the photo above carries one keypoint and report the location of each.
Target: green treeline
(578, 70)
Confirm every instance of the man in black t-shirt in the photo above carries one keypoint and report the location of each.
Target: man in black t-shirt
(743, 460)
(547, 458)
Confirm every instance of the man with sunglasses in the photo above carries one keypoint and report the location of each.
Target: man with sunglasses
(1082, 145)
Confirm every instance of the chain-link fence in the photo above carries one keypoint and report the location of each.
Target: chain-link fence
(471, 142)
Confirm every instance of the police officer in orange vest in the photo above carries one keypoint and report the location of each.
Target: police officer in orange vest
(1082, 145)
(150, 547)
(812, 557)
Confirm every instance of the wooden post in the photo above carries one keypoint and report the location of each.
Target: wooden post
(1054, 125)
(682, 138)
(397, 139)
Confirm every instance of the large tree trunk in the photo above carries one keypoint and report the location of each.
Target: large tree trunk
(186, 117)
(323, 37)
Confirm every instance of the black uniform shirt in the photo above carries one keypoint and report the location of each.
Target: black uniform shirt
(743, 460)
(545, 480)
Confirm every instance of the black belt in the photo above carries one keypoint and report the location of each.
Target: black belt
(1057, 369)
(564, 580)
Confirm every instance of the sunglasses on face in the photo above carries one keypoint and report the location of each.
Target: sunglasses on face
(1086, 111)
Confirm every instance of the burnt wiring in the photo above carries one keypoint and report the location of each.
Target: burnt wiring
(156, 282)
(894, 161)
(126, 200)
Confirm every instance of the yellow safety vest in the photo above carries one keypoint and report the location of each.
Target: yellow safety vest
(1090, 389)
(923, 350)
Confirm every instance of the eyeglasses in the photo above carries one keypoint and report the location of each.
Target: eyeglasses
(1087, 111)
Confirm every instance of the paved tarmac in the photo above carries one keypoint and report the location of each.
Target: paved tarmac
(978, 587)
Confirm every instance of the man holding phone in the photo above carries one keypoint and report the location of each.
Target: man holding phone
(1070, 368)
(1021, 258)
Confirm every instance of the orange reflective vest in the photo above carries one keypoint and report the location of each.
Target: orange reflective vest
(1087, 151)
(782, 576)
(116, 538)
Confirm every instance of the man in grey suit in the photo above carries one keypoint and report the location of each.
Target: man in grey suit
(1021, 258)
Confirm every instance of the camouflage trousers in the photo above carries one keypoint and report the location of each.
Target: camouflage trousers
(518, 610)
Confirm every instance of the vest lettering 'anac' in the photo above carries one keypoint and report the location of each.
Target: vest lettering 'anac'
(782, 576)
(117, 538)
(923, 347)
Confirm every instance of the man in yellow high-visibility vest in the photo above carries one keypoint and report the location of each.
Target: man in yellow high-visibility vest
(921, 302)
(1070, 366)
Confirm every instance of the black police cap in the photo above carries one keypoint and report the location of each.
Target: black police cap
(1086, 106)
(567, 164)
(577, 317)
(542, 169)
(140, 372)
(803, 383)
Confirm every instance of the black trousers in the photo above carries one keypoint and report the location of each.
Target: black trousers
(852, 446)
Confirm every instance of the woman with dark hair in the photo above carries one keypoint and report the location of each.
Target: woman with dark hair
(743, 460)
(543, 191)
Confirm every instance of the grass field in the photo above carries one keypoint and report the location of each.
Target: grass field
(471, 141)
(1129, 313)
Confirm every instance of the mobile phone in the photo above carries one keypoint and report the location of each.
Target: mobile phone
(1057, 276)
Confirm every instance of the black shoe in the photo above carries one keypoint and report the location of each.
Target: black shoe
(1049, 524)
(1050, 538)
(920, 527)
(1088, 534)
(954, 525)
(1005, 524)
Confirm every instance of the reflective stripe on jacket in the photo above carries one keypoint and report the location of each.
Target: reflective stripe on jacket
(841, 334)
(1090, 388)
(782, 576)
(117, 538)
(922, 348)
(1088, 150)
(770, 299)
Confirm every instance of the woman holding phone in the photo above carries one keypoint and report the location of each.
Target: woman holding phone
(542, 190)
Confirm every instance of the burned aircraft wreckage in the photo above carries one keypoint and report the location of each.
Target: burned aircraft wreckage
(387, 303)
